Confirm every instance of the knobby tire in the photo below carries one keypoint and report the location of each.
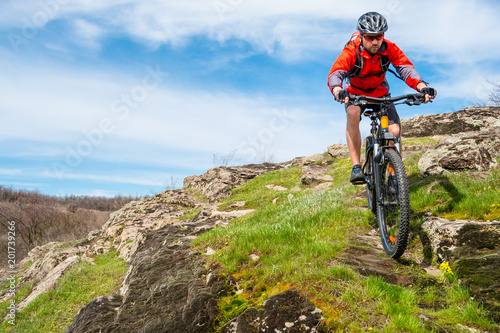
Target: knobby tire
(393, 209)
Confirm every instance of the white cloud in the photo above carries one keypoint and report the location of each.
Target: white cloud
(56, 105)
(458, 30)
(10, 172)
(88, 33)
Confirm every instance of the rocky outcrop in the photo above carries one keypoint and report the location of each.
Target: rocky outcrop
(473, 250)
(471, 119)
(471, 142)
(167, 289)
(338, 151)
(216, 183)
(477, 152)
(47, 264)
(283, 312)
(50, 280)
(96, 316)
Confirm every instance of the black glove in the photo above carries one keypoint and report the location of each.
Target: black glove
(341, 95)
(428, 91)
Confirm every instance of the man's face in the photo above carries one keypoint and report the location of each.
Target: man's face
(372, 43)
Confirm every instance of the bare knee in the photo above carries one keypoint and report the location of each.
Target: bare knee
(394, 129)
(353, 114)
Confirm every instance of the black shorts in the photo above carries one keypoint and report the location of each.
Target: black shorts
(391, 113)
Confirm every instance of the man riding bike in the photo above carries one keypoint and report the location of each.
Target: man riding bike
(363, 63)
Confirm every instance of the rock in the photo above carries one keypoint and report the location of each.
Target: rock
(449, 238)
(124, 228)
(49, 281)
(284, 312)
(366, 256)
(216, 183)
(479, 152)
(472, 248)
(230, 215)
(45, 259)
(96, 316)
(339, 151)
(165, 290)
(467, 120)
(237, 204)
(276, 187)
(308, 160)
(314, 174)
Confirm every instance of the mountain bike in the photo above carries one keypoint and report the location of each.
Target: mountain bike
(387, 185)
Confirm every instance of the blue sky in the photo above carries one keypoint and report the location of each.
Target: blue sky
(129, 97)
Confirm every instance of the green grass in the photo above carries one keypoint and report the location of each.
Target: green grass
(462, 195)
(299, 240)
(54, 310)
(256, 194)
(288, 235)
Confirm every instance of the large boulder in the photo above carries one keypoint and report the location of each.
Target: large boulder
(473, 250)
(477, 152)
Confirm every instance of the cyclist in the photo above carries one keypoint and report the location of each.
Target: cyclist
(363, 63)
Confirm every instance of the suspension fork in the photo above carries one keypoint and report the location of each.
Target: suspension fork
(378, 156)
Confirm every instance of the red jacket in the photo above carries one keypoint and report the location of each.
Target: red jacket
(371, 80)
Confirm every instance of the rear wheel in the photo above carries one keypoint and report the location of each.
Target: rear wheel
(393, 211)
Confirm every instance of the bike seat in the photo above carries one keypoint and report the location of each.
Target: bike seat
(368, 112)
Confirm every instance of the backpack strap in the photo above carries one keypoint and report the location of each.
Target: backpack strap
(358, 65)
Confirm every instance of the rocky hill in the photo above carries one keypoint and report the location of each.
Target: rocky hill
(172, 286)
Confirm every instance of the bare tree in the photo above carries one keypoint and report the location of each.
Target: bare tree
(492, 92)
(31, 214)
(224, 160)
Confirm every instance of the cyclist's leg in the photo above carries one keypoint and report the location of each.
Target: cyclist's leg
(353, 134)
(395, 123)
(394, 128)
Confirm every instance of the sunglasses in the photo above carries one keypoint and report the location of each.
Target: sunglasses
(371, 38)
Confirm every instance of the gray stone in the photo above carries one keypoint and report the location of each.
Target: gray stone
(284, 312)
(477, 152)
(468, 120)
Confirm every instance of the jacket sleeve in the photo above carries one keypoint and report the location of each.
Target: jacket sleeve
(404, 67)
(345, 61)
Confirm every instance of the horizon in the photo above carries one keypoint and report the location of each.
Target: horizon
(130, 97)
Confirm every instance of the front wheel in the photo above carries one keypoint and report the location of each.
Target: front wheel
(393, 208)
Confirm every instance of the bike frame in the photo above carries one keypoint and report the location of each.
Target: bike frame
(379, 143)
(380, 134)
(381, 139)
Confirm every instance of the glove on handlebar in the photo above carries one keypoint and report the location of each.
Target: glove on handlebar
(341, 95)
(428, 91)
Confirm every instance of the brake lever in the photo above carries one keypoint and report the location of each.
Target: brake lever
(413, 101)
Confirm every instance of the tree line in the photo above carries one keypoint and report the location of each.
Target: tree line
(40, 219)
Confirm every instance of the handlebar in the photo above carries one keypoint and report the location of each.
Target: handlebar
(411, 99)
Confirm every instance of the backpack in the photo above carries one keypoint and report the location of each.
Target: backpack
(358, 65)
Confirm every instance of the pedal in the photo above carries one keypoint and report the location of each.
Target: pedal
(359, 182)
